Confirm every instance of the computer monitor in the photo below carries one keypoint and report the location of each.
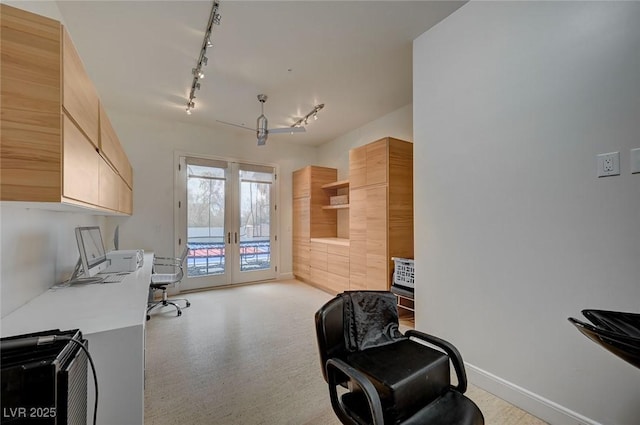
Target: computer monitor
(91, 247)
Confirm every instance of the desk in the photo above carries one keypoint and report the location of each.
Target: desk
(112, 317)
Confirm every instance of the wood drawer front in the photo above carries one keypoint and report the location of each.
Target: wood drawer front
(338, 249)
(319, 277)
(357, 284)
(301, 250)
(318, 260)
(81, 164)
(79, 96)
(301, 270)
(336, 283)
(338, 264)
(318, 246)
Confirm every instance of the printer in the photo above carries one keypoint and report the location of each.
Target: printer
(124, 260)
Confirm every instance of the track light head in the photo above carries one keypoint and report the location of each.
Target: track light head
(305, 119)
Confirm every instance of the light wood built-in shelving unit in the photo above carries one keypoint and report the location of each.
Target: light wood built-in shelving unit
(380, 219)
(336, 185)
(335, 207)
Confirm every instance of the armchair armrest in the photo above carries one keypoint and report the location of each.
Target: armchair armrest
(452, 352)
(362, 381)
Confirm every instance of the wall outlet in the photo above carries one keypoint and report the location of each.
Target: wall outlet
(635, 160)
(609, 164)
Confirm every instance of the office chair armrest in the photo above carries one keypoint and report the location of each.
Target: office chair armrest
(166, 260)
(452, 352)
(365, 385)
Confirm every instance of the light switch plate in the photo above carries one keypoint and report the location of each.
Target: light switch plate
(609, 164)
(635, 160)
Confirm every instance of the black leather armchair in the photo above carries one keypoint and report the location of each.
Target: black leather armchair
(377, 375)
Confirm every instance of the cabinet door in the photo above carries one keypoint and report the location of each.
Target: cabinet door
(79, 97)
(358, 239)
(81, 165)
(301, 218)
(300, 233)
(358, 167)
(125, 198)
(338, 264)
(377, 162)
(109, 187)
(30, 122)
(302, 183)
(301, 259)
(376, 239)
(112, 149)
(319, 257)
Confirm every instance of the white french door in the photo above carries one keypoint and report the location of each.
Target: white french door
(226, 215)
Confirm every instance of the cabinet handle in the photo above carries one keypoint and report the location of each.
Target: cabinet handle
(229, 237)
(236, 234)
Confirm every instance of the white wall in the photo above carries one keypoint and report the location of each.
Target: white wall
(46, 8)
(514, 231)
(150, 145)
(335, 154)
(38, 250)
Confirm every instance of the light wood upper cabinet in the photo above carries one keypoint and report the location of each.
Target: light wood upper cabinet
(109, 186)
(81, 171)
(30, 167)
(50, 124)
(79, 96)
(358, 167)
(302, 182)
(368, 164)
(111, 149)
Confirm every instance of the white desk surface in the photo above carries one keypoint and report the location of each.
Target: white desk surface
(92, 308)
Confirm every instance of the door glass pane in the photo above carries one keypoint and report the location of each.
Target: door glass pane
(255, 220)
(205, 220)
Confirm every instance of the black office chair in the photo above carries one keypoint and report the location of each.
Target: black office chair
(387, 377)
(160, 281)
(617, 332)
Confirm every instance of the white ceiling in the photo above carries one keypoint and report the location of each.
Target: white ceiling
(353, 56)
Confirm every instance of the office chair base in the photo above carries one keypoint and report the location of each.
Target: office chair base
(165, 303)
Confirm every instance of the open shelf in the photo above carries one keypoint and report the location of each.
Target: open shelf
(335, 207)
(336, 185)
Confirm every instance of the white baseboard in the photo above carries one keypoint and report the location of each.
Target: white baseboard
(545, 409)
(286, 276)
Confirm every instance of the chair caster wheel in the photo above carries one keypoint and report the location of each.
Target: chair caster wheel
(179, 313)
(148, 317)
(188, 304)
